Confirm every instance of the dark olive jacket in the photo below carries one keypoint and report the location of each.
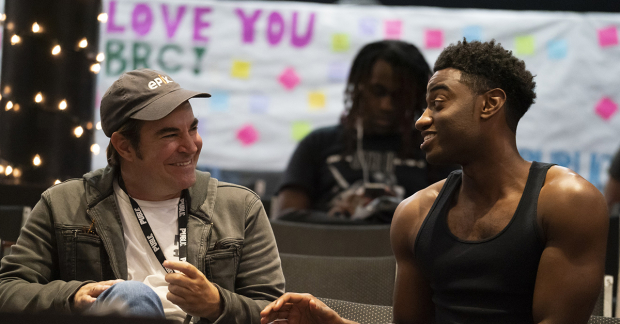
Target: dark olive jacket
(229, 240)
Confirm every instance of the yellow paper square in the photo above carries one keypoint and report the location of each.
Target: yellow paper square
(300, 129)
(524, 45)
(316, 100)
(241, 69)
(340, 42)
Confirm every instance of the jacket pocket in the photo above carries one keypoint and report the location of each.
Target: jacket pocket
(81, 254)
(222, 262)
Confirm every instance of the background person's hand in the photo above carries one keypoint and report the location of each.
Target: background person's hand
(300, 309)
(192, 291)
(88, 293)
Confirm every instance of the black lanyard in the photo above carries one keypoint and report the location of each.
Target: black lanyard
(148, 232)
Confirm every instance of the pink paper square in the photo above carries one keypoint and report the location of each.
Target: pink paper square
(289, 79)
(247, 135)
(606, 108)
(393, 29)
(608, 36)
(434, 38)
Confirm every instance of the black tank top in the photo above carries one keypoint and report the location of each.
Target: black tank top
(488, 281)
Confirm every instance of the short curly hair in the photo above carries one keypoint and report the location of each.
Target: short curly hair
(486, 66)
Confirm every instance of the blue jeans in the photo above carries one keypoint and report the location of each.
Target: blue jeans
(128, 298)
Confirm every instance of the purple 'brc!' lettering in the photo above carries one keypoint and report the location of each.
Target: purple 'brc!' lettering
(172, 26)
(248, 24)
(302, 41)
(112, 27)
(142, 19)
(275, 28)
(200, 24)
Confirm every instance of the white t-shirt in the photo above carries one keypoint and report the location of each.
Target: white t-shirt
(142, 264)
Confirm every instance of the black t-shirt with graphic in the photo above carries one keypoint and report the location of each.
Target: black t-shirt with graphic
(320, 167)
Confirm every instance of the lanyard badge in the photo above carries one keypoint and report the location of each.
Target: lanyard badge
(148, 232)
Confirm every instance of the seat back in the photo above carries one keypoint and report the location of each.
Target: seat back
(332, 240)
(368, 280)
(361, 313)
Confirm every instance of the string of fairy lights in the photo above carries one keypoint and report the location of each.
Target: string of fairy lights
(11, 170)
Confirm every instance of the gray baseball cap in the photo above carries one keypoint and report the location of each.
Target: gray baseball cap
(141, 94)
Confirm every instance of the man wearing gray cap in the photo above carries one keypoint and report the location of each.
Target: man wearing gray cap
(148, 235)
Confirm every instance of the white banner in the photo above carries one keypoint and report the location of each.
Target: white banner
(276, 70)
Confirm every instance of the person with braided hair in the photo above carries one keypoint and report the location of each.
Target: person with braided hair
(363, 167)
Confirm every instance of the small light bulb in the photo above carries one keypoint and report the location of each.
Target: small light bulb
(83, 43)
(10, 26)
(100, 57)
(38, 97)
(95, 68)
(1, 168)
(17, 173)
(8, 170)
(95, 149)
(36, 28)
(56, 182)
(16, 107)
(37, 160)
(62, 105)
(98, 126)
(89, 125)
(78, 131)
(0, 97)
(2, 17)
(7, 90)
(9, 105)
(103, 17)
(15, 39)
(56, 50)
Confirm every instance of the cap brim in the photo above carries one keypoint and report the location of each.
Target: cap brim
(165, 104)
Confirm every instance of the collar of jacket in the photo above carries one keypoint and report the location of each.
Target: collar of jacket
(99, 185)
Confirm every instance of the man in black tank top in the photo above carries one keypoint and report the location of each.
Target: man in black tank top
(503, 240)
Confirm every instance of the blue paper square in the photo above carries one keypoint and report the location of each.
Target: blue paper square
(557, 49)
(472, 33)
(338, 71)
(259, 103)
(368, 27)
(218, 101)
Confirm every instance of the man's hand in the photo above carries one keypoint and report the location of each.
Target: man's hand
(300, 309)
(191, 291)
(88, 293)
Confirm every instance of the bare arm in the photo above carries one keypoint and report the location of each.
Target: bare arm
(291, 199)
(574, 219)
(412, 292)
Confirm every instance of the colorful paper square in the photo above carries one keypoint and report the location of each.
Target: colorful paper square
(433, 38)
(606, 108)
(608, 36)
(289, 78)
(259, 103)
(316, 100)
(240, 69)
(218, 101)
(393, 29)
(300, 129)
(340, 42)
(472, 33)
(247, 135)
(338, 71)
(368, 27)
(524, 45)
(557, 49)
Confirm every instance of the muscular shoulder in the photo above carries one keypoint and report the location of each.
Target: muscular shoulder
(410, 215)
(568, 201)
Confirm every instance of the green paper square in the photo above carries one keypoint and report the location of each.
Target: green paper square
(340, 42)
(524, 45)
(300, 129)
